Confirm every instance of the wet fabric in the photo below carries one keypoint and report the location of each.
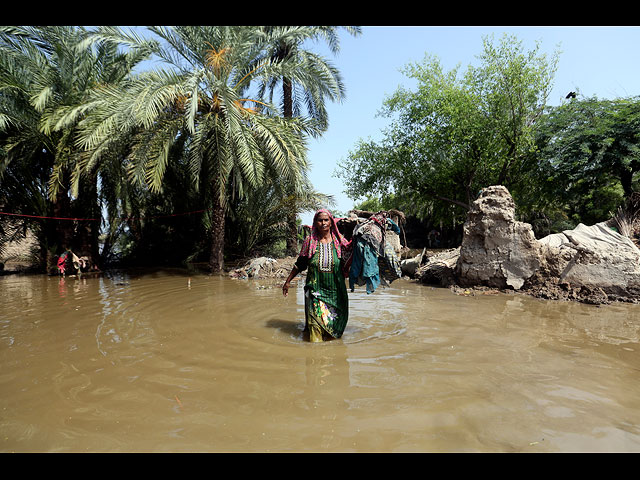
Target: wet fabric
(364, 266)
(374, 261)
(326, 303)
(61, 262)
(373, 232)
(389, 265)
(391, 225)
(69, 262)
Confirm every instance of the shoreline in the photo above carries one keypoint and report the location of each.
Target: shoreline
(267, 268)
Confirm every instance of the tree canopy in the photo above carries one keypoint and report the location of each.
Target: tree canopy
(457, 132)
(589, 156)
(83, 131)
(196, 129)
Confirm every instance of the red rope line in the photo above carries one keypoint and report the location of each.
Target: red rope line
(38, 216)
(165, 216)
(96, 219)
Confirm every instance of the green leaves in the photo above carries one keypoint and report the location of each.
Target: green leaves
(455, 133)
(588, 144)
(72, 99)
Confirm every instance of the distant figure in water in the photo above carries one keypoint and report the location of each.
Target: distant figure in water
(326, 304)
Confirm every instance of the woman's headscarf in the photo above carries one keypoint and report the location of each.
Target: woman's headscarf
(311, 242)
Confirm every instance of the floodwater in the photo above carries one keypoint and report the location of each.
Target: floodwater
(176, 361)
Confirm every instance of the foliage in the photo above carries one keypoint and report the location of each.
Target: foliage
(23, 187)
(586, 162)
(231, 142)
(589, 143)
(456, 133)
(260, 219)
(81, 130)
(305, 90)
(221, 129)
(46, 76)
(375, 204)
(304, 93)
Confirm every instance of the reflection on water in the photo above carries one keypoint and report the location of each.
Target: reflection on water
(176, 361)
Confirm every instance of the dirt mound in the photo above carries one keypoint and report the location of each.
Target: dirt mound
(590, 264)
(264, 267)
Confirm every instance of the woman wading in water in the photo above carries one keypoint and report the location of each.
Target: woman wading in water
(326, 304)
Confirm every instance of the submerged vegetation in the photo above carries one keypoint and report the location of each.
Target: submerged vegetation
(180, 144)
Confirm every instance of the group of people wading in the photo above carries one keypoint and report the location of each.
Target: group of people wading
(329, 258)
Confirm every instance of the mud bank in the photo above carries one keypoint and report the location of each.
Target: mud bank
(590, 264)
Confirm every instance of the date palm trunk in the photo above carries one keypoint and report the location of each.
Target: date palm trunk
(216, 259)
(86, 243)
(292, 235)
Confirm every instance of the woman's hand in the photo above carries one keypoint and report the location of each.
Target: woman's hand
(285, 287)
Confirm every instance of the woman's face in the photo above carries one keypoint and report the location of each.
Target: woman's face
(323, 223)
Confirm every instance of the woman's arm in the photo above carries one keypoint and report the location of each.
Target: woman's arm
(285, 287)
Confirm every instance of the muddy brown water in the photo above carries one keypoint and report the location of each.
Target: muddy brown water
(175, 361)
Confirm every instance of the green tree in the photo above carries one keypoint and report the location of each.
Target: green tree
(46, 75)
(589, 155)
(232, 140)
(305, 92)
(595, 141)
(261, 217)
(455, 134)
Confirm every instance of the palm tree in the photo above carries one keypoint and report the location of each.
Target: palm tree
(23, 190)
(28, 154)
(231, 139)
(315, 81)
(305, 91)
(46, 74)
(260, 218)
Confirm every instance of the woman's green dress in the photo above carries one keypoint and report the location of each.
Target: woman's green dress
(326, 303)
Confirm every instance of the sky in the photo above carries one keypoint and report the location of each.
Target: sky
(594, 61)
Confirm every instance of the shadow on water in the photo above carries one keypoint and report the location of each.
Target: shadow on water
(288, 327)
